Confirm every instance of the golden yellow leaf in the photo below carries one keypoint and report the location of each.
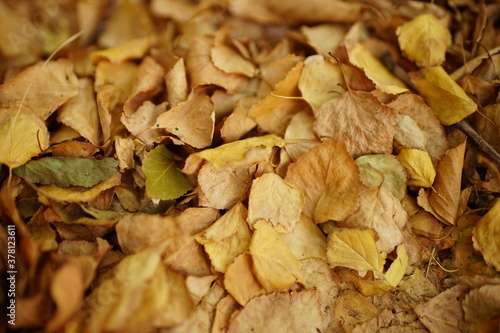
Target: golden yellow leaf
(424, 40)
(239, 280)
(274, 265)
(328, 179)
(485, 236)
(22, 136)
(133, 49)
(445, 198)
(120, 75)
(241, 152)
(384, 80)
(320, 81)
(273, 199)
(450, 103)
(395, 273)
(419, 166)
(191, 121)
(226, 238)
(381, 211)
(273, 113)
(355, 249)
(367, 124)
(306, 240)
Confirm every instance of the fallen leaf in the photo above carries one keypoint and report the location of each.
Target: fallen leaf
(328, 179)
(424, 40)
(295, 312)
(352, 308)
(22, 136)
(226, 238)
(120, 75)
(445, 196)
(419, 166)
(131, 50)
(239, 280)
(227, 58)
(367, 124)
(384, 80)
(274, 265)
(485, 236)
(176, 82)
(450, 103)
(324, 38)
(383, 170)
(306, 240)
(299, 135)
(142, 122)
(238, 123)
(197, 109)
(163, 179)
(273, 199)
(355, 249)
(320, 81)
(67, 171)
(381, 211)
(41, 88)
(482, 305)
(397, 270)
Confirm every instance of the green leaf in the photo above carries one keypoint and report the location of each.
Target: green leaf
(67, 171)
(163, 180)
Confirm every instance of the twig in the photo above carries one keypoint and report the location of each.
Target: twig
(484, 146)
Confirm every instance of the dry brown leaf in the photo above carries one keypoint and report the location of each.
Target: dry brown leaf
(274, 71)
(381, 211)
(299, 135)
(80, 113)
(443, 313)
(202, 71)
(148, 82)
(295, 312)
(120, 75)
(367, 124)
(41, 88)
(273, 112)
(481, 307)
(445, 196)
(176, 82)
(192, 121)
(225, 308)
(239, 280)
(142, 122)
(238, 123)
(108, 98)
(227, 58)
(328, 179)
(274, 265)
(273, 199)
(226, 238)
(352, 308)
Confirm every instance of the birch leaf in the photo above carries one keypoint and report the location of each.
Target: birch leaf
(395, 273)
(163, 179)
(419, 166)
(486, 238)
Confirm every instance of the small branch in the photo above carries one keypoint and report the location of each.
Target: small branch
(484, 146)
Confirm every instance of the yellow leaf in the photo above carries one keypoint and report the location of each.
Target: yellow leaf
(239, 280)
(22, 136)
(306, 240)
(226, 238)
(485, 236)
(329, 181)
(133, 49)
(424, 40)
(419, 166)
(384, 80)
(450, 103)
(241, 152)
(395, 273)
(355, 249)
(274, 265)
(273, 199)
(320, 81)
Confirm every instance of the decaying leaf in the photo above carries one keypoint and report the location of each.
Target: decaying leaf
(367, 124)
(163, 179)
(226, 238)
(419, 166)
(328, 179)
(424, 40)
(273, 199)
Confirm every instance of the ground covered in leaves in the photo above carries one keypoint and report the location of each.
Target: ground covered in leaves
(250, 165)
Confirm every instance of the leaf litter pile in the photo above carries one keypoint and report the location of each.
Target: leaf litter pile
(251, 166)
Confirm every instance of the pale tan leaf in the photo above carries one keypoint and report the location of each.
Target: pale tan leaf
(367, 124)
(238, 123)
(273, 199)
(485, 236)
(299, 135)
(176, 82)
